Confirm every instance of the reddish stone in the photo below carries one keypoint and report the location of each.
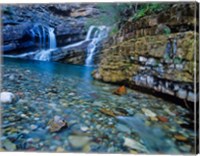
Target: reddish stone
(120, 91)
(162, 119)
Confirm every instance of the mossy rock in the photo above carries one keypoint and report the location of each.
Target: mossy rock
(189, 66)
(183, 77)
(190, 55)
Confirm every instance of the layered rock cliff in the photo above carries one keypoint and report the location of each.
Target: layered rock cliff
(69, 21)
(155, 53)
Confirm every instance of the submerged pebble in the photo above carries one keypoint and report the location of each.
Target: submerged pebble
(8, 145)
(90, 111)
(78, 141)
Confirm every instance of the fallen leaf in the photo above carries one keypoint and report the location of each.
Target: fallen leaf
(180, 137)
(107, 112)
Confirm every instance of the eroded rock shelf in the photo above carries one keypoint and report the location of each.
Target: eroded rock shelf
(143, 54)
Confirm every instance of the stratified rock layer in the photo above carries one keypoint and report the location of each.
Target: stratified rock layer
(142, 54)
(68, 20)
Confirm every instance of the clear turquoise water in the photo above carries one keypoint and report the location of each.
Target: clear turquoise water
(77, 97)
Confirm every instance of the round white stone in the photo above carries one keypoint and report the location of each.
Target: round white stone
(7, 97)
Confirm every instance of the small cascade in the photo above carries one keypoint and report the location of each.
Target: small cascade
(45, 38)
(38, 34)
(88, 37)
(96, 34)
(45, 54)
(52, 39)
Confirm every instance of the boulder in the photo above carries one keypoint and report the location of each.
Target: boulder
(182, 93)
(7, 97)
(56, 124)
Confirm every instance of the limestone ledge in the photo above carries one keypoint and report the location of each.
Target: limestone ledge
(152, 81)
(155, 46)
(143, 62)
(178, 18)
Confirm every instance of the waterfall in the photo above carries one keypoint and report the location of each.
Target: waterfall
(45, 54)
(40, 37)
(45, 37)
(52, 39)
(96, 34)
(88, 36)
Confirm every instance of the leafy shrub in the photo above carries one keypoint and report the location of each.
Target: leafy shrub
(113, 14)
(149, 8)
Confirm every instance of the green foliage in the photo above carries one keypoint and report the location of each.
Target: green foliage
(150, 8)
(157, 63)
(167, 57)
(167, 31)
(111, 15)
(114, 30)
(177, 60)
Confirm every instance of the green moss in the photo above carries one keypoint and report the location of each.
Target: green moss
(177, 60)
(167, 31)
(149, 8)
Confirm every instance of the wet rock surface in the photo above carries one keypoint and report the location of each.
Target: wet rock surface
(7, 97)
(142, 55)
(48, 89)
(56, 124)
(68, 20)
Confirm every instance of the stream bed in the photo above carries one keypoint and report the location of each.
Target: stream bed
(142, 123)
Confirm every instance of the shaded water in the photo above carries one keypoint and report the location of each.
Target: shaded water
(46, 89)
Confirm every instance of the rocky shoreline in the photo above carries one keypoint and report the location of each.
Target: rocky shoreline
(85, 89)
(144, 55)
(98, 121)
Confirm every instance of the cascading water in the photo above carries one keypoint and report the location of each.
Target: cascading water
(88, 36)
(45, 38)
(45, 54)
(52, 39)
(39, 33)
(96, 34)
